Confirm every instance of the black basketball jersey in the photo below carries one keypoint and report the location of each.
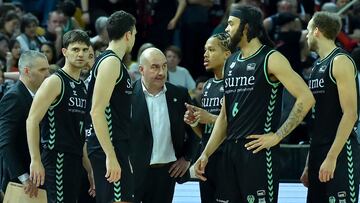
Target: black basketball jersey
(211, 101)
(327, 111)
(118, 112)
(62, 128)
(253, 102)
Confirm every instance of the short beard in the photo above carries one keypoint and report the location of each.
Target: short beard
(209, 70)
(235, 40)
(313, 46)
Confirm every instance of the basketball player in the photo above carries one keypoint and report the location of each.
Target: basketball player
(59, 107)
(108, 129)
(250, 114)
(332, 170)
(216, 52)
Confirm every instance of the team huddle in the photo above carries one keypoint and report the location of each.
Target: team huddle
(136, 140)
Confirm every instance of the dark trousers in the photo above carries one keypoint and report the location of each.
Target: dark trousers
(157, 187)
(344, 187)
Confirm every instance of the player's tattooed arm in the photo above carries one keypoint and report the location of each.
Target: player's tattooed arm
(296, 115)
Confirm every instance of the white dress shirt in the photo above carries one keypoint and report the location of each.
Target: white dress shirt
(163, 149)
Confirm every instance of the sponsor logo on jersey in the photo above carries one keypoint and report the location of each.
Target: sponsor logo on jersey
(221, 89)
(322, 69)
(250, 66)
(232, 65)
(72, 85)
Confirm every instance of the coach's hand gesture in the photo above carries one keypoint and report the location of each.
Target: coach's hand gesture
(179, 168)
(189, 117)
(305, 177)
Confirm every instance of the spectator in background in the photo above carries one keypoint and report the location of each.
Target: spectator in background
(5, 8)
(68, 7)
(19, 8)
(9, 24)
(285, 13)
(100, 27)
(29, 39)
(127, 60)
(195, 30)
(158, 20)
(55, 25)
(3, 87)
(85, 72)
(349, 23)
(196, 94)
(12, 57)
(329, 7)
(134, 68)
(178, 75)
(217, 11)
(93, 9)
(4, 48)
(39, 8)
(48, 49)
(223, 23)
(54, 30)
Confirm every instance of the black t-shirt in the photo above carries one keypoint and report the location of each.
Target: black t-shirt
(62, 128)
(327, 111)
(253, 101)
(118, 112)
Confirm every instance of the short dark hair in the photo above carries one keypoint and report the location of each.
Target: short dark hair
(75, 36)
(68, 7)
(329, 24)
(12, 43)
(26, 20)
(53, 50)
(201, 79)
(119, 23)
(9, 16)
(174, 49)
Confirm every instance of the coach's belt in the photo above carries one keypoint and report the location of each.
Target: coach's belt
(158, 165)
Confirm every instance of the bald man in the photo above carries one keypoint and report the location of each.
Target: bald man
(164, 143)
